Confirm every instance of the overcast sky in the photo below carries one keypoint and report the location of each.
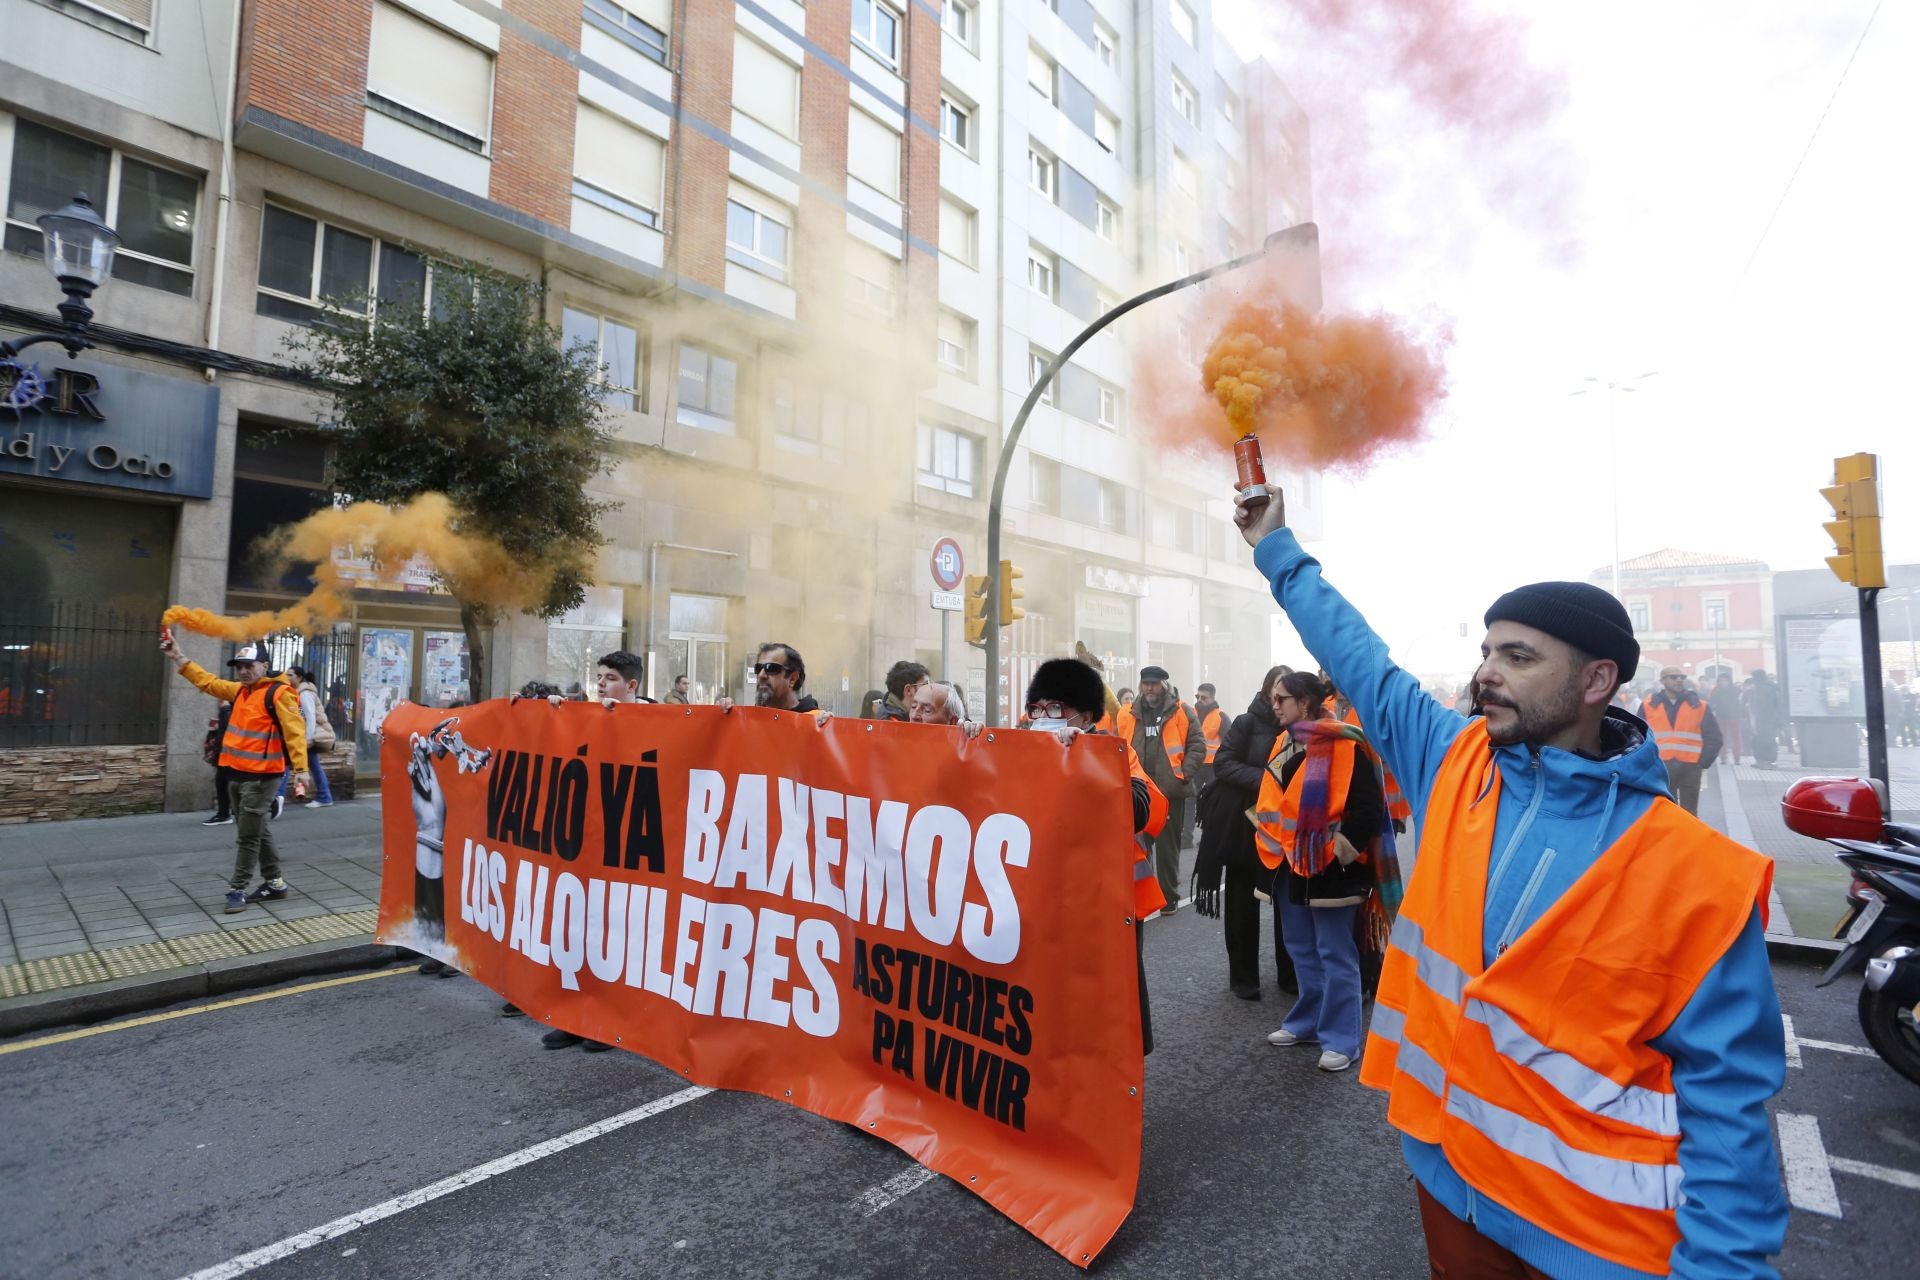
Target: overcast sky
(1681, 125)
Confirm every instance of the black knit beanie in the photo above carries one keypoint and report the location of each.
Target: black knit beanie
(1583, 615)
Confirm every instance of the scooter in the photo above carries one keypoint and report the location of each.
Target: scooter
(1882, 921)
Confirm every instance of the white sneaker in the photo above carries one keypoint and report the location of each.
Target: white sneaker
(1331, 1061)
(1284, 1036)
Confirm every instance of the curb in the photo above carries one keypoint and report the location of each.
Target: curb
(102, 1000)
(1821, 951)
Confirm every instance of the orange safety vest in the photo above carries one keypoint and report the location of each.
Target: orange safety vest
(1276, 814)
(1397, 806)
(253, 742)
(1173, 736)
(1210, 730)
(1536, 1076)
(1147, 895)
(1678, 733)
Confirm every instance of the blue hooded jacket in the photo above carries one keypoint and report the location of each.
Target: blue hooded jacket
(1558, 812)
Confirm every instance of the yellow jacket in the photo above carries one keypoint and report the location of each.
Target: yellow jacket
(293, 726)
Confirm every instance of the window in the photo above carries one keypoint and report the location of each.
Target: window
(1229, 106)
(1043, 483)
(873, 279)
(949, 460)
(706, 391)
(1185, 101)
(1106, 132)
(1182, 258)
(639, 24)
(155, 210)
(1043, 270)
(429, 78)
(758, 229)
(1184, 24)
(309, 267)
(958, 231)
(1040, 73)
(1640, 612)
(1106, 221)
(1109, 406)
(1104, 302)
(1041, 173)
(1229, 182)
(1037, 362)
(765, 86)
(877, 27)
(1185, 179)
(953, 344)
(958, 17)
(873, 153)
(1716, 614)
(956, 124)
(618, 167)
(1106, 46)
(614, 346)
(1113, 506)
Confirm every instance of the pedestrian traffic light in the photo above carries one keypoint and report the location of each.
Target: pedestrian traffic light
(977, 610)
(1009, 614)
(1855, 498)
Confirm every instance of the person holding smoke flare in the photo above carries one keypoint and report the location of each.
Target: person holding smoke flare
(1576, 1028)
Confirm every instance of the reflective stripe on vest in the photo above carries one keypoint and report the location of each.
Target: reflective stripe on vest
(1561, 1110)
(1173, 737)
(1210, 730)
(1677, 733)
(252, 742)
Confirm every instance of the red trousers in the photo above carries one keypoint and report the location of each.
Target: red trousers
(1457, 1251)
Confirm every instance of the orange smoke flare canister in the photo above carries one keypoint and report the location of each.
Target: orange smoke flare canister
(1252, 470)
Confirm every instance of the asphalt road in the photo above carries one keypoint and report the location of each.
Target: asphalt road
(164, 1149)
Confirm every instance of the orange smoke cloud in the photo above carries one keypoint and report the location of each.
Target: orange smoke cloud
(476, 569)
(1321, 391)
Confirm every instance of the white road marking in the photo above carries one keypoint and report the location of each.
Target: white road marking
(1804, 1156)
(446, 1186)
(1860, 1168)
(874, 1199)
(1740, 830)
(1834, 1046)
(1793, 1041)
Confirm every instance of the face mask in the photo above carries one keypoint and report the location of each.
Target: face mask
(1050, 724)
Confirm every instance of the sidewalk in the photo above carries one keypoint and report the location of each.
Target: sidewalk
(1809, 883)
(106, 915)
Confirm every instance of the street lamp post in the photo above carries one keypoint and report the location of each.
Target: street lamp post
(1613, 455)
(78, 248)
(1305, 235)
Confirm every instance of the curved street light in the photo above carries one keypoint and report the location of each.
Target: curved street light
(78, 247)
(1305, 235)
(1613, 449)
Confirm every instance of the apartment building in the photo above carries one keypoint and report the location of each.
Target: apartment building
(1092, 149)
(735, 203)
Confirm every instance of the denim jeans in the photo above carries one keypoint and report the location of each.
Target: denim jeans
(321, 791)
(252, 798)
(1327, 963)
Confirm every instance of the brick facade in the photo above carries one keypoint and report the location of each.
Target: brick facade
(306, 60)
(534, 105)
(820, 259)
(696, 221)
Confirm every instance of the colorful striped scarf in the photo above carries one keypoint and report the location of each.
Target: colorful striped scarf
(1313, 844)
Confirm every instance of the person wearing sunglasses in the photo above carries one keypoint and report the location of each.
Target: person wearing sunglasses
(779, 681)
(1066, 698)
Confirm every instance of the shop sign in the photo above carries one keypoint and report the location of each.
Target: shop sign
(1104, 613)
(1102, 578)
(108, 425)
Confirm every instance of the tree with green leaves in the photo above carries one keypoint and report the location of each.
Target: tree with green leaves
(477, 400)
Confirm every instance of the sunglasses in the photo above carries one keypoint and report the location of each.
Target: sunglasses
(1048, 711)
(770, 669)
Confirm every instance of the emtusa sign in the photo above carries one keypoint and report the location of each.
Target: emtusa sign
(108, 425)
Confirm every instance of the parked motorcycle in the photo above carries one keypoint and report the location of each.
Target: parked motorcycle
(1882, 922)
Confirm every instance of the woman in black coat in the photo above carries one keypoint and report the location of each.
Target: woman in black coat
(1226, 844)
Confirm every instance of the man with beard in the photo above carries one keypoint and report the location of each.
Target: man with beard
(1687, 733)
(1576, 1017)
(779, 681)
(1166, 736)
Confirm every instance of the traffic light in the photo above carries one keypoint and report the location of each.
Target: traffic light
(977, 610)
(1855, 498)
(1009, 614)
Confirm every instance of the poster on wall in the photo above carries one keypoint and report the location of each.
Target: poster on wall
(1823, 669)
(443, 669)
(386, 676)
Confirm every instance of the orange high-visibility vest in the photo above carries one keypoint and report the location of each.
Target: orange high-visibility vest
(1276, 814)
(1210, 726)
(1173, 736)
(1678, 733)
(1147, 895)
(253, 741)
(1397, 805)
(1536, 1076)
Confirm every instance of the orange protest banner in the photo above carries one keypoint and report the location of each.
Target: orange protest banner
(885, 924)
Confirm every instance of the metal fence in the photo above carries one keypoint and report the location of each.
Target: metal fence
(329, 658)
(74, 674)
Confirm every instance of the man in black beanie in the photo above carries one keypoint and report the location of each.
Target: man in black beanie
(1576, 1016)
